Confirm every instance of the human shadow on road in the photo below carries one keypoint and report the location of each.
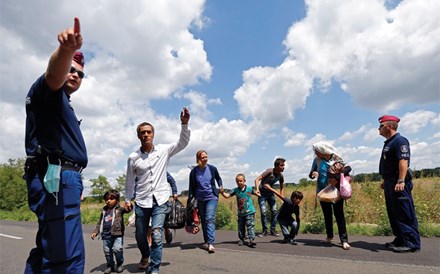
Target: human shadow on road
(190, 246)
(312, 242)
(373, 247)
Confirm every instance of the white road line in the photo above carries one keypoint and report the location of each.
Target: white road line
(9, 236)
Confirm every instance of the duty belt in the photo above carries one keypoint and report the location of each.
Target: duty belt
(66, 165)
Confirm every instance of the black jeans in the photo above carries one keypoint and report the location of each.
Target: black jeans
(338, 209)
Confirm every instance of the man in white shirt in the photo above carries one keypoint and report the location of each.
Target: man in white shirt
(146, 182)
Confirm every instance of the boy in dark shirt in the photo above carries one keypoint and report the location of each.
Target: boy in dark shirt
(111, 226)
(285, 218)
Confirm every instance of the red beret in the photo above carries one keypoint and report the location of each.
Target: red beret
(386, 118)
(79, 58)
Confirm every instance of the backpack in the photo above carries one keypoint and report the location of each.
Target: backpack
(176, 217)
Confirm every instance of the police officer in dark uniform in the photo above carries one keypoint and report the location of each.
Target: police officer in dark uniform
(397, 185)
(56, 155)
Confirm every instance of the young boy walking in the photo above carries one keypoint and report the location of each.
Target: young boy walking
(285, 218)
(246, 210)
(111, 227)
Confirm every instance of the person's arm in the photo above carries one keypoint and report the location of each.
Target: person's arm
(298, 221)
(255, 193)
(225, 194)
(277, 194)
(257, 184)
(282, 185)
(61, 60)
(314, 170)
(129, 184)
(172, 183)
(96, 231)
(184, 134)
(403, 169)
(218, 178)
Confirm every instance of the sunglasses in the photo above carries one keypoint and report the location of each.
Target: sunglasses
(80, 73)
(381, 126)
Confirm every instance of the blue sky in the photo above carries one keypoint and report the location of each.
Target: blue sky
(263, 79)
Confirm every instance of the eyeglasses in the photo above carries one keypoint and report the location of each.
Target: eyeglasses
(80, 73)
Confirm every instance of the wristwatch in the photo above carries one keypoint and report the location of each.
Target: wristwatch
(400, 181)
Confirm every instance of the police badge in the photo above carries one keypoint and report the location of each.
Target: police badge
(404, 149)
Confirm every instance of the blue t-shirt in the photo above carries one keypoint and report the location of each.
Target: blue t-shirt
(245, 206)
(52, 124)
(204, 188)
(395, 149)
(107, 225)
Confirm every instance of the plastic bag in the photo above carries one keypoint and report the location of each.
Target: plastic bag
(329, 194)
(345, 187)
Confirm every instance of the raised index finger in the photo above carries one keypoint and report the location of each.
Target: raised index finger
(76, 26)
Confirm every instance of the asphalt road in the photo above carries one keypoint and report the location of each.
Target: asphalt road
(184, 255)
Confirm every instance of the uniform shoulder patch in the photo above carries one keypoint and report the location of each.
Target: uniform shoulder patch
(404, 149)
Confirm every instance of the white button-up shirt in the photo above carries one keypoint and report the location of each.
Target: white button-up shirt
(147, 172)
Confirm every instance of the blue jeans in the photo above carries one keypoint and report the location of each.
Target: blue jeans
(207, 210)
(157, 215)
(115, 246)
(285, 225)
(273, 209)
(246, 222)
(59, 240)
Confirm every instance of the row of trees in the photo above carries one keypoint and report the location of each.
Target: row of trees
(13, 192)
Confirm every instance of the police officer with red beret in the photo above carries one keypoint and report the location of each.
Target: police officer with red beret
(397, 185)
(56, 155)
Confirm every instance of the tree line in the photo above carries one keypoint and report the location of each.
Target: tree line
(13, 191)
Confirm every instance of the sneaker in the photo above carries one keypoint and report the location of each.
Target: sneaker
(345, 246)
(274, 233)
(293, 242)
(143, 264)
(108, 270)
(211, 249)
(252, 244)
(404, 249)
(119, 269)
(264, 233)
(240, 242)
(168, 236)
(328, 240)
(205, 246)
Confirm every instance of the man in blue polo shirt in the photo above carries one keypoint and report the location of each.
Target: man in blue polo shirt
(397, 185)
(56, 155)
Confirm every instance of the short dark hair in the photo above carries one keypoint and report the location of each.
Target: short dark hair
(297, 194)
(113, 193)
(278, 161)
(143, 124)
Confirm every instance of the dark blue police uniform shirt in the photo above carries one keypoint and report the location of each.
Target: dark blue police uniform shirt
(395, 149)
(51, 123)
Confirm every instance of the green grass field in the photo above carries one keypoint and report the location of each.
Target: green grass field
(364, 212)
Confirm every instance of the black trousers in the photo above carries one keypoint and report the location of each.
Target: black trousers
(338, 209)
